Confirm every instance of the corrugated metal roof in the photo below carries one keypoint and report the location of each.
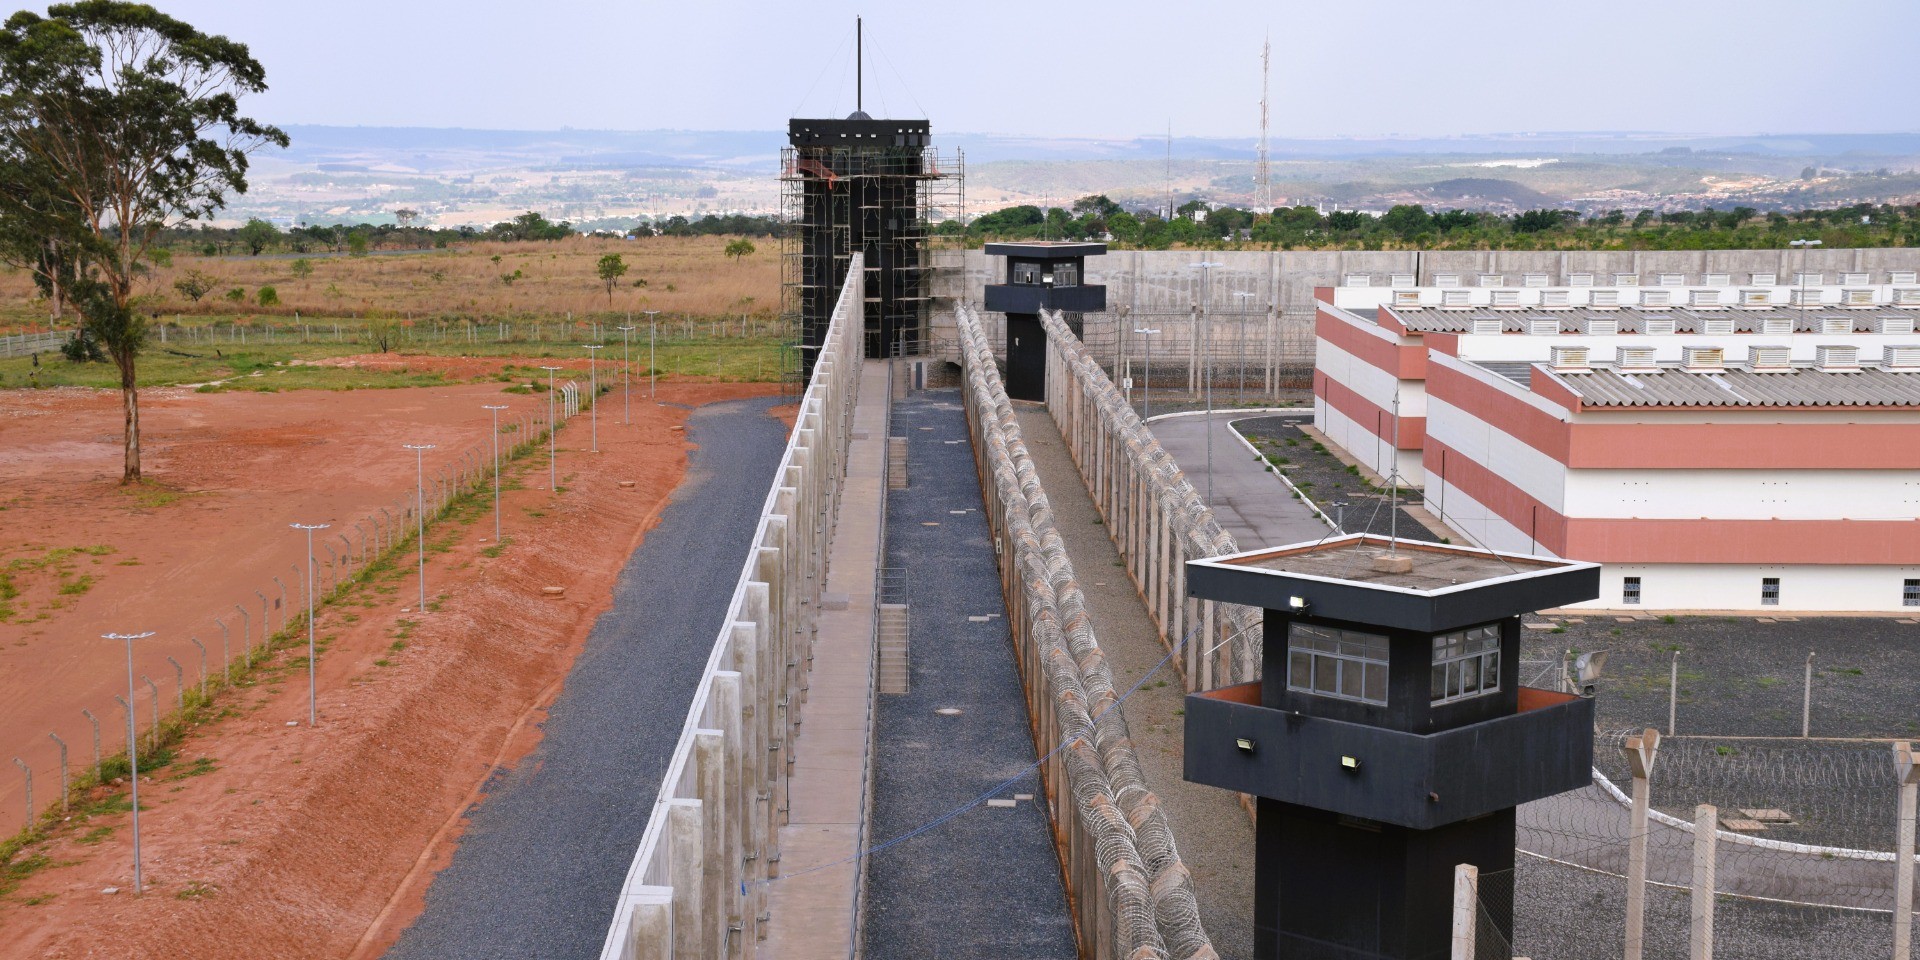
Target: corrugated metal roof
(1804, 386)
(1633, 319)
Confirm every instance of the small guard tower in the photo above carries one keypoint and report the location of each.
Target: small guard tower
(1041, 275)
(1389, 739)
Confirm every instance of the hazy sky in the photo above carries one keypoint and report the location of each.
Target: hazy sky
(1080, 68)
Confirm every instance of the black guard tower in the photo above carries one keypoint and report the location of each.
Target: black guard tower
(1041, 276)
(1389, 739)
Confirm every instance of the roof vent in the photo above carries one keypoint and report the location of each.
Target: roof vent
(1406, 299)
(1455, 300)
(1804, 298)
(1626, 279)
(1492, 280)
(1766, 279)
(1770, 359)
(1488, 325)
(1705, 299)
(1570, 359)
(1554, 299)
(1359, 280)
(1671, 279)
(1604, 300)
(1446, 279)
(1703, 359)
(1540, 327)
(1585, 280)
(1633, 359)
(1901, 356)
(1400, 280)
(1837, 358)
(1752, 297)
(1655, 327)
(1834, 326)
(1717, 326)
(1892, 324)
(1656, 299)
(1716, 279)
(1596, 327)
(1533, 279)
(1903, 276)
(1857, 297)
(1776, 326)
(1907, 297)
(1508, 299)
(1808, 279)
(1854, 279)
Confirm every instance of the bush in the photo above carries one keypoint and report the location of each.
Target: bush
(237, 294)
(268, 297)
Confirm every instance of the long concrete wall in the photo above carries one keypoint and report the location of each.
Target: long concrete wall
(697, 886)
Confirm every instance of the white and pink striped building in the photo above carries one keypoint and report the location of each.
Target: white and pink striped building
(1714, 447)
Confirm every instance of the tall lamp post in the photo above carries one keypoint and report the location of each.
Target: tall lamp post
(496, 408)
(1206, 338)
(553, 468)
(1146, 380)
(653, 372)
(1803, 245)
(313, 709)
(419, 515)
(626, 371)
(1240, 352)
(133, 749)
(593, 392)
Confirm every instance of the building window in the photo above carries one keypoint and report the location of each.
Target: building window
(1630, 590)
(1337, 663)
(1910, 594)
(1769, 591)
(1466, 663)
(1066, 275)
(1026, 274)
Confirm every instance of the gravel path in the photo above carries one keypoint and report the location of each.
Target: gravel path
(537, 870)
(990, 875)
(1214, 834)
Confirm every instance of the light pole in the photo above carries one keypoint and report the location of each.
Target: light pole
(1146, 381)
(496, 408)
(653, 374)
(133, 748)
(1803, 245)
(626, 371)
(553, 469)
(1206, 338)
(593, 392)
(313, 709)
(1240, 353)
(419, 516)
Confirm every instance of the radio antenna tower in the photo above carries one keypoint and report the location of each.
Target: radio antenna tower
(1263, 173)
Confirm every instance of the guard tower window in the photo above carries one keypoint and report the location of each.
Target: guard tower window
(1066, 275)
(1770, 591)
(1466, 663)
(1630, 590)
(1346, 664)
(1910, 594)
(1026, 273)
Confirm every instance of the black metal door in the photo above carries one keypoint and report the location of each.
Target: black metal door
(1026, 357)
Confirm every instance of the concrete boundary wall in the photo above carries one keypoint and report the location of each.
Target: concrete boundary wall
(1152, 512)
(697, 884)
(1130, 895)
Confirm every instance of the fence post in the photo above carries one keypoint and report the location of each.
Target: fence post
(685, 871)
(96, 740)
(155, 732)
(63, 769)
(203, 665)
(27, 772)
(1806, 699)
(179, 684)
(1466, 910)
(1673, 691)
(1909, 775)
(1706, 840)
(1641, 751)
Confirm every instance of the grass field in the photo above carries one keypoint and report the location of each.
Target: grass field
(483, 281)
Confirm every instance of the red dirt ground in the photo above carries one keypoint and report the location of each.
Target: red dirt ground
(300, 842)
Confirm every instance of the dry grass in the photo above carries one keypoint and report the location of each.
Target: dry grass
(684, 275)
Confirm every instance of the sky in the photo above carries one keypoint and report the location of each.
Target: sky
(1075, 68)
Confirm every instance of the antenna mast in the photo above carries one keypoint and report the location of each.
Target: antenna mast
(1169, 171)
(1263, 174)
(859, 64)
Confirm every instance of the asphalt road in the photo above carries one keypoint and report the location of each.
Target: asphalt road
(1251, 504)
(539, 866)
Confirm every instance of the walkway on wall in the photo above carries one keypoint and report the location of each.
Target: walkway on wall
(1252, 505)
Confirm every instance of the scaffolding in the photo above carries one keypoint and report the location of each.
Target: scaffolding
(881, 201)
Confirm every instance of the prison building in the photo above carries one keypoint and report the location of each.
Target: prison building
(1753, 453)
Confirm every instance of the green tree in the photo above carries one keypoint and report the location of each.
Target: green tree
(739, 248)
(194, 285)
(302, 268)
(128, 121)
(357, 243)
(267, 297)
(258, 235)
(611, 268)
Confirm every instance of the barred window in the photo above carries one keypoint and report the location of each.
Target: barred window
(1770, 591)
(1630, 590)
(1910, 593)
(1337, 663)
(1466, 663)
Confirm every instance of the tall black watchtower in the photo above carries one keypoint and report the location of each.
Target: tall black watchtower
(860, 185)
(1388, 739)
(1041, 275)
